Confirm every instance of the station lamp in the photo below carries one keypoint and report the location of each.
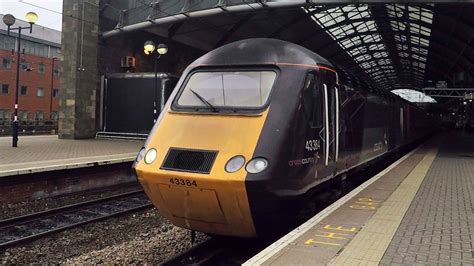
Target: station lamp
(148, 48)
(162, 49)
(9, 20)
(31, 17)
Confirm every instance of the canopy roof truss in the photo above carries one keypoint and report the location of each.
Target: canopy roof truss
(393, 44)
(399, 53)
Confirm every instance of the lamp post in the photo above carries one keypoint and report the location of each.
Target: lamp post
(9, 20)
(161, 49)
(52, 84)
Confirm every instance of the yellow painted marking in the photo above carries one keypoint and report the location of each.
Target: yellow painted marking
(364, 204)
(362, 207)
(340, 228)
(365, 199)
(384, 223)
(331, 235)
(311, 241)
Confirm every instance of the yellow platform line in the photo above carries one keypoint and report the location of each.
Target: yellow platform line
(370, 244)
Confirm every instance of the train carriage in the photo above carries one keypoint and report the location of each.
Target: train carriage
(255, 125)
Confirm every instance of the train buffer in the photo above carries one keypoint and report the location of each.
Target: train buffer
(418, 210)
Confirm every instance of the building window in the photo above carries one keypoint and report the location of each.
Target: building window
(23, 115)
(55, 93)
(39, 116)
(24, 90)
(41, 68)
(54, 52)
(54, 116)
(7, 63)
(25, 66)
(56, 71)
(40, 92)
(7, 42)
(5, 89)
(4, 115)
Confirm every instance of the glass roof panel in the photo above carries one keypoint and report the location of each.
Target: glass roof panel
(414, 96)
(345, 37)
(412, 36)
(411, 32)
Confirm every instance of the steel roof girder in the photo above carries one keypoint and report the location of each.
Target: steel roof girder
(432, 42)
(452, 54)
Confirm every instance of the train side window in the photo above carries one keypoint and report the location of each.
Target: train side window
(312, 101)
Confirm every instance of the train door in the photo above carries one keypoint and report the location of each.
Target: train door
(331, 118)
(320, 99)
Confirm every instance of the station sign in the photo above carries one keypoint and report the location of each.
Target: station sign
(441, 84)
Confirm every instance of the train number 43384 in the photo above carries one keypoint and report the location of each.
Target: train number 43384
(183, 182)
(312, 145)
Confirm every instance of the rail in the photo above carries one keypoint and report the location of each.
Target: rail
(28, 227)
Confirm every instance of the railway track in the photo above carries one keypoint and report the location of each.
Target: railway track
(220, 251)
(24, 228)
(235, 251)
(197, 255)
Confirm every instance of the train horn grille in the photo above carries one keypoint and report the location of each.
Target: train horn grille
(194, 161)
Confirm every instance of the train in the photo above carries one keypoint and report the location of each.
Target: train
(255, 126)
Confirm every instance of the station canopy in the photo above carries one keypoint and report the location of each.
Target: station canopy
(391, 44)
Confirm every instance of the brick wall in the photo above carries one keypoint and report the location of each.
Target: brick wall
(61, 182)
(33, 80)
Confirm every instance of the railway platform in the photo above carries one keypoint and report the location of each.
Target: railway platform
(45, 166)
(419, 210)
(47, 153)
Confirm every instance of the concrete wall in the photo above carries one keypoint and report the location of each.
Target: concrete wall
(79, 74)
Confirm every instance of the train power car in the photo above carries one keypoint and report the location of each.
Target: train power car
(256, 124)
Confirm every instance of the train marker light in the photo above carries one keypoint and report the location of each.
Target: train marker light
(140, 155)
(256, 165)
(150, 156)
(235, 163)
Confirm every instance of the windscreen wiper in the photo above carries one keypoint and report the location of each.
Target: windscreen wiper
(204, 100)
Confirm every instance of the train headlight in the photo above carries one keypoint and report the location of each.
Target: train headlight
(256, 165)
(234, 164)
(150, 156)
(140, 155)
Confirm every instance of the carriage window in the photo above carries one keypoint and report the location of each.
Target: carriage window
(312, 102)
(244, 89)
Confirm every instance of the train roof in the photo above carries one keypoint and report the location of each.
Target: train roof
(265, 51)
(260, 51)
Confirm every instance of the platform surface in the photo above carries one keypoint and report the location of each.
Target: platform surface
(47, 153)
(420, 210)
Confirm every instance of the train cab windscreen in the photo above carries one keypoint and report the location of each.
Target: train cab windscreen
(227, 90)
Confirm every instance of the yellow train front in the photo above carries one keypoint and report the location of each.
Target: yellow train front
(254, 126)
(203, 147)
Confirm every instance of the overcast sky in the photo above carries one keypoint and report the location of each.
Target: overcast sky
(49, 11)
